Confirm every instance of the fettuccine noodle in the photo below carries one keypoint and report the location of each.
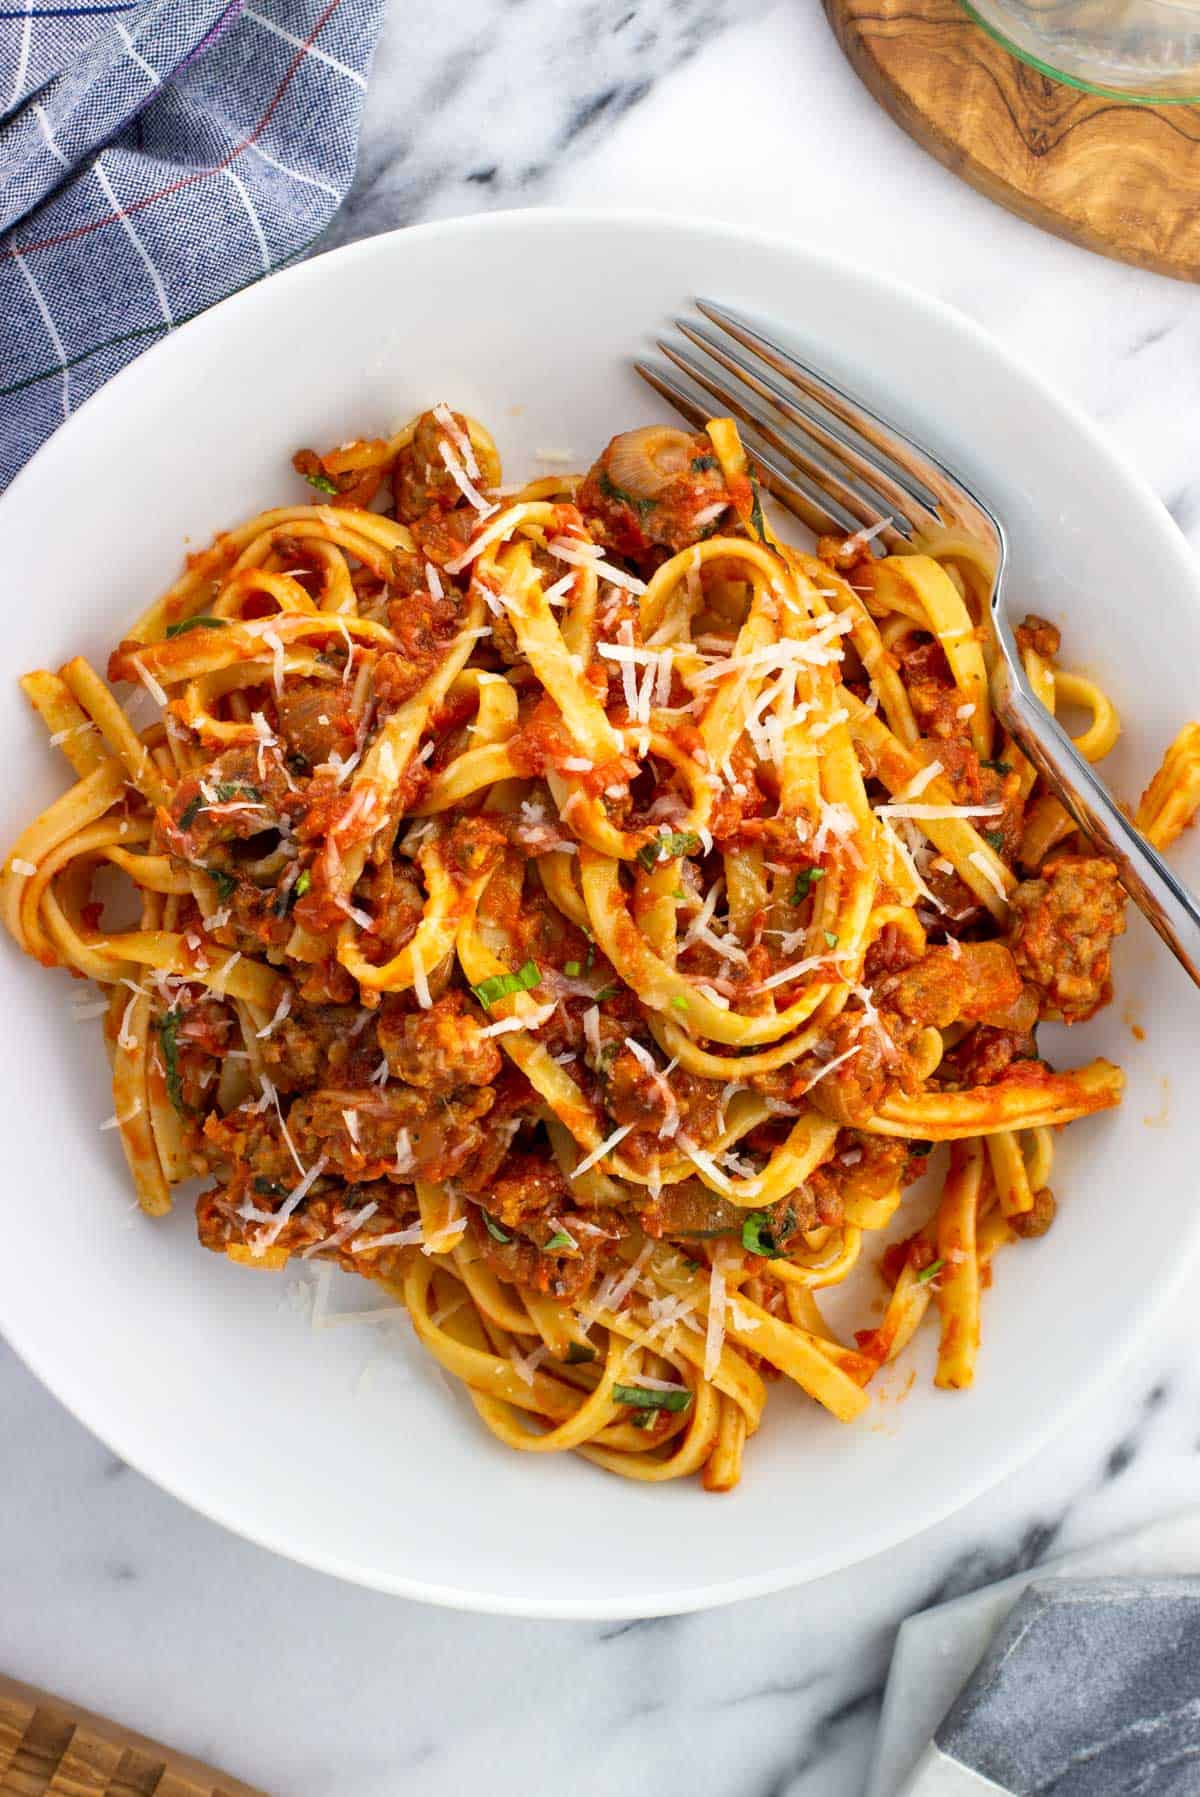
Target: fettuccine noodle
(583, 914)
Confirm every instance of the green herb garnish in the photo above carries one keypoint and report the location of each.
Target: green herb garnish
(286, 897)
(190, 813)
(321, 482)
(679, 1002)
(267, 1188)
(572, 969)
(703, 464)
(611, 490)
(606, 992)
(235, 789)
(493, 1228)
(679, 894)
(930, 1272)
(168, 1033)
(998, 767)
(579, 1352)
(759, 1233)
(225, 884)
(756, 511)
(667, 848)
(200, 622)
(831, 937)
(489, 992)
(642, 1397)
(994, 839)
(806, 879)
(561, 1238)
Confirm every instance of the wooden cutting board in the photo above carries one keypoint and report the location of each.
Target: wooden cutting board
(1118, 178)
(51, 1748)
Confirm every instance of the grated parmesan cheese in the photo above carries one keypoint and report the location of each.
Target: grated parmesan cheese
(148, 681)
(420, 982)
(598, 1153)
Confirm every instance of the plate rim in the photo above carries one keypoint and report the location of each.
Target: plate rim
(1123, 1344)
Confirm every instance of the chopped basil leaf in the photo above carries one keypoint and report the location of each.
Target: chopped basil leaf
(998, 767)
(930, 1272)
(572, 969)
(994, 839)
(579, 1352)
(679, 1002)
(703, 464)
(488, 992)
(606, 992)
(190, 812)
(561, 1238)
(235, 789)
(321, 482)
(831, 937)
(302, 884)
(642, 1397)
(267, 1188)
(667, 848)
(494, 1229)
(642, 1419)
(758, 1234)
(200, 622)
(591, 954)
(679, 894)
(168, 1033)
(805, 879)
(225, 884)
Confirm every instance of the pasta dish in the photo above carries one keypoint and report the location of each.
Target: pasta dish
(584, 914)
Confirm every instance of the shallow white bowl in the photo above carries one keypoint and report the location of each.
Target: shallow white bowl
(193, 1370)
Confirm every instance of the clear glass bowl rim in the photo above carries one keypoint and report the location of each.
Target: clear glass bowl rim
(1131, 96)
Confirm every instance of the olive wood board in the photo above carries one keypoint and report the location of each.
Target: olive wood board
(1117, 177)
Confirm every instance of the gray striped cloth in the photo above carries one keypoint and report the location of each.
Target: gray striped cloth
(156, 155)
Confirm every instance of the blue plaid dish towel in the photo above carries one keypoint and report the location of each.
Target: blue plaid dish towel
(156, 155)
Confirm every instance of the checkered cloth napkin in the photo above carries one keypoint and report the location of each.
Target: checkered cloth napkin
(156, 155)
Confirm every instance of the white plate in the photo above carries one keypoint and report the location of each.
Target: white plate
(192, 1369)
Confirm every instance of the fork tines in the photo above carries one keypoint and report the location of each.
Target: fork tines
(824, 455)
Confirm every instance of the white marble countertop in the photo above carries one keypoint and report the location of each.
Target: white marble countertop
(111, 1591)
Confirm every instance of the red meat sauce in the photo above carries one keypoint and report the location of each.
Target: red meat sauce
(381, 1093)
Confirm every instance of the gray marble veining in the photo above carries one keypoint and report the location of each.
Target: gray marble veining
(480, 104)
(114, 1593)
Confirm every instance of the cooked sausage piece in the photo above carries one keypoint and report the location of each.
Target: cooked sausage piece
(440, 1049)
(1062, 930)
(652, 490)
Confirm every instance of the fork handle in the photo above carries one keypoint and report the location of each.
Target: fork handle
(1153, 886)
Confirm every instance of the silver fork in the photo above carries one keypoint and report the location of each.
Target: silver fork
(840, 467)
